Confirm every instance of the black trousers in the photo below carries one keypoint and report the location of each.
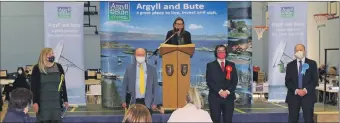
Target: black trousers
(307, 109)
(50, 121)
(217, 106)
(142, 101)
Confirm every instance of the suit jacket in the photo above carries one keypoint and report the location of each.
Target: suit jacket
(216, 79)
(310, 81)
(174, 40)
(16, 116)
(129, 84)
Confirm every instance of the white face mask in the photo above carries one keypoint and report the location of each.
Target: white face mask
(140, 60)
(20, 72)
(299, 55)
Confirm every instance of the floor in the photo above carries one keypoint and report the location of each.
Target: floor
(256, 107)
(259, 111)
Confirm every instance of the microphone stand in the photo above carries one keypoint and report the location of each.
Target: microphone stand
(155, 52)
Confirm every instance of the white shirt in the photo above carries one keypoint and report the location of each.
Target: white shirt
(220, 61)
(189, 113)
(298, 66)
(298, 62)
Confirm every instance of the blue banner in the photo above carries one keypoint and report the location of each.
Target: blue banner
(63, 22)
(287, 28)
(129, 25)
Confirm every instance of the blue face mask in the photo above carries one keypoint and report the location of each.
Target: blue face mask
(51, 59)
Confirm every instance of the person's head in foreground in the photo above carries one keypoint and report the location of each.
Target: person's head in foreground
(193, 108)
(300, 51)
(46, 59)
(194, 98)
(21, 99)
(137, 113)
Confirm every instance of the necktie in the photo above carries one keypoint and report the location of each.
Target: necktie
(222, 66)
(300, 74)
(141, 79)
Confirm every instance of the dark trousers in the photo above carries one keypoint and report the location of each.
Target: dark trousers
(142, 101)
(217, 106)
(307, 109)
(50, 121)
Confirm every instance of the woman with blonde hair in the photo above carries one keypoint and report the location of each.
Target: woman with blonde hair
(192, 112)
(137, 113)
(48, 87)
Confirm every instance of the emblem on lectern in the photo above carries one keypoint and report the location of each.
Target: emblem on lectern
(184, 69)
(169, 69)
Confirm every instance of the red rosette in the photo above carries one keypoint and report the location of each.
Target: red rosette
(229, 69)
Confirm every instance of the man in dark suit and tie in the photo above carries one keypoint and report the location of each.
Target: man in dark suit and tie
(301, 81)
(140, 80)
(221, 76)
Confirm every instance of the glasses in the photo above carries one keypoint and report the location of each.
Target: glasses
(179, 24)
(220, 51)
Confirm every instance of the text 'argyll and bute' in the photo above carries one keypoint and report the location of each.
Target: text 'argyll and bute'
(158, 6)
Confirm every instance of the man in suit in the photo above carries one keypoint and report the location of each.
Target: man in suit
(221, 76)
(301, 81)
(178, 35)
(140, 80)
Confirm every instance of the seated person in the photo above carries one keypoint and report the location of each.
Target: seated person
(332, 72)
(7, 91)
(17, 111)
(322, 71)
(192, 112)
(21, 80)
(137, 113)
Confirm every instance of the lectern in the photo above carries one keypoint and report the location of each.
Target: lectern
(176, 74)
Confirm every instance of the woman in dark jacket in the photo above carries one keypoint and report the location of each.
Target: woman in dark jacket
(49, 88)
(21, 80)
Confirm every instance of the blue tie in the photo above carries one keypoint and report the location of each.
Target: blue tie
(300, 74)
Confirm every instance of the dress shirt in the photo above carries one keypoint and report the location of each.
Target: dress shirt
(138, 94)
(298, 66)
(219, 62)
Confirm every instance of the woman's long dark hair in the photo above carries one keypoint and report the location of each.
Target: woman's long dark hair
(173, 25)
(23, 74)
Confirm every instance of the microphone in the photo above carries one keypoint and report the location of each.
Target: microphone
(155, 52)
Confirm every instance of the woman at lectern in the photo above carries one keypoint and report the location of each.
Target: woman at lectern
(48, 87)
(178, 35)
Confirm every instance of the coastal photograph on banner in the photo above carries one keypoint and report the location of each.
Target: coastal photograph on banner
(287, 28)
(145, 25)
(240, 47)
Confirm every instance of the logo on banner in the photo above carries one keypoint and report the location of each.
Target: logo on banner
(64, 12)
(287, 12)
(119, 11)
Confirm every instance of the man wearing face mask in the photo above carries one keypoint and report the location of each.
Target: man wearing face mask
(301, 80)
(221, 76)
(140, 80)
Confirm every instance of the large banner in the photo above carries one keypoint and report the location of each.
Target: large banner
(129, 25)
(63, 23)
(287, 27)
